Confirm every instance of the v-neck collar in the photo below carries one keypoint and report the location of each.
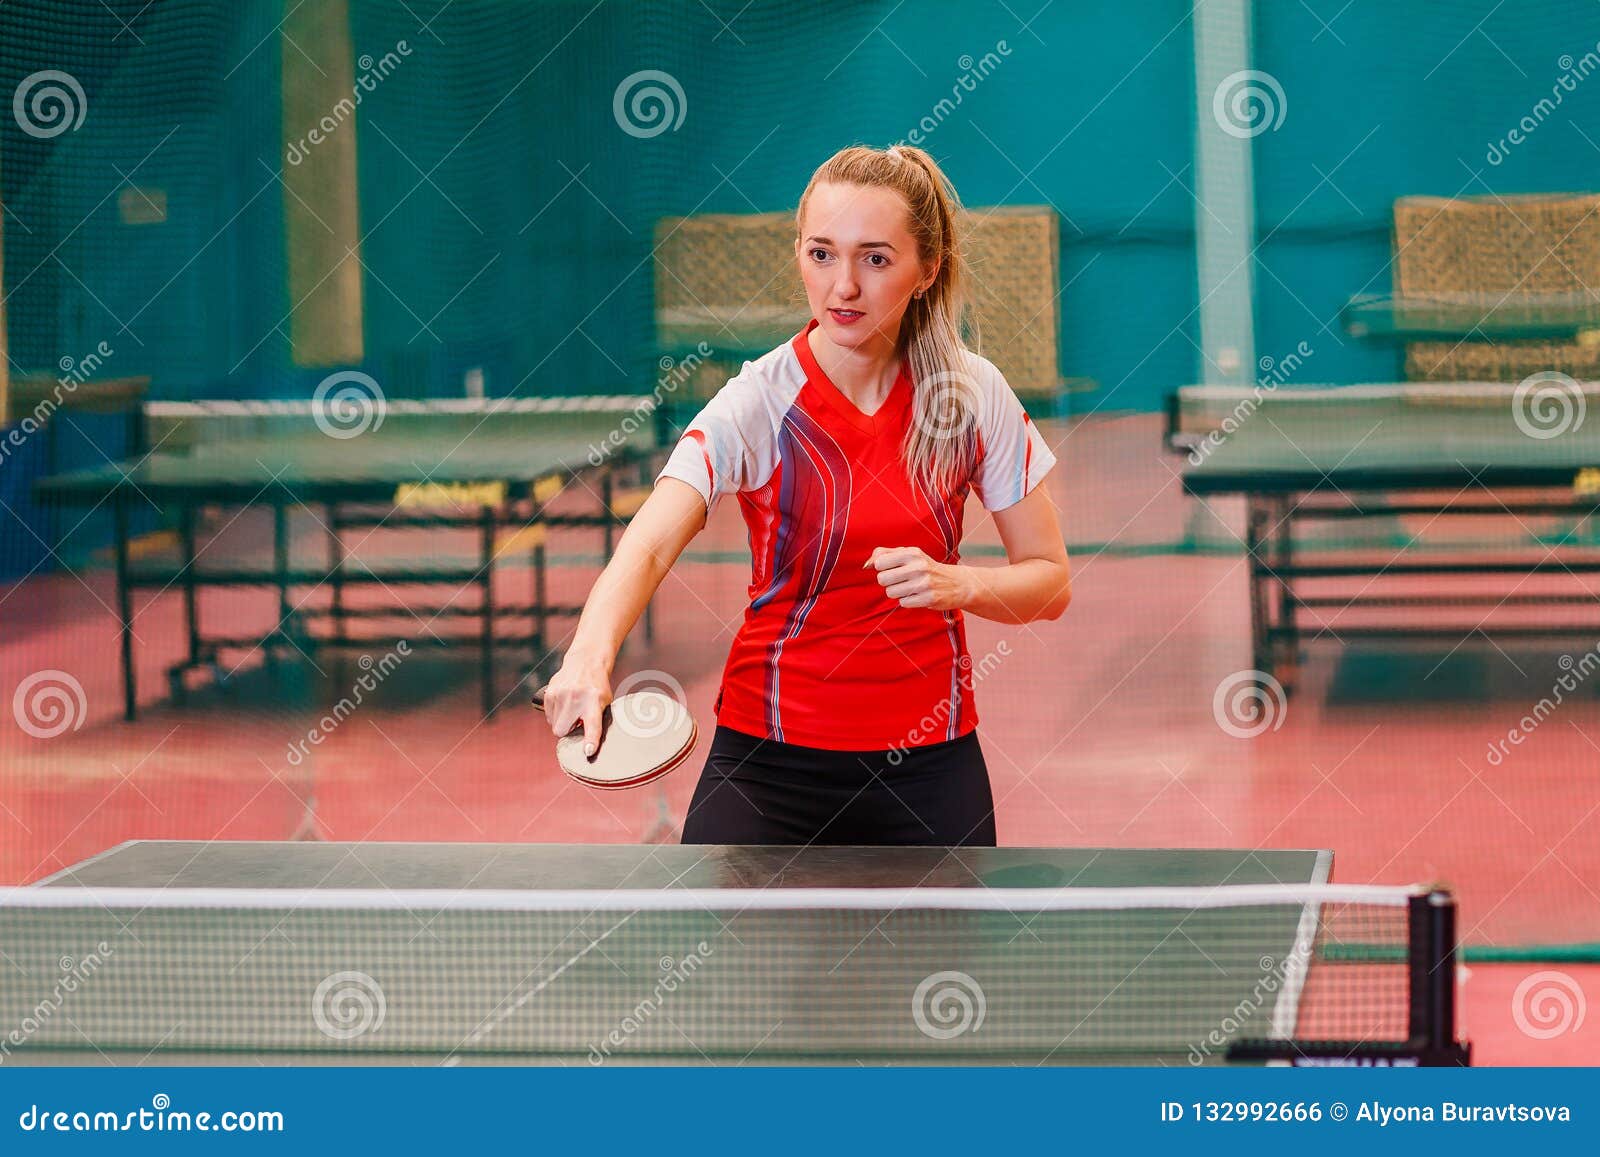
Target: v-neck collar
(886, 417)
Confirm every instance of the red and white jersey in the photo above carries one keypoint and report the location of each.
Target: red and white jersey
(824, 657)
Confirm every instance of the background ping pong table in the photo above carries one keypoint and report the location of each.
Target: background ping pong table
(1573, 316)
(1521, 460)
(497, 468)
(422, 953)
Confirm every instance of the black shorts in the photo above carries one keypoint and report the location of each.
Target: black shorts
(760, 791)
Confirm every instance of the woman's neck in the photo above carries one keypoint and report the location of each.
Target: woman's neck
(865, 377)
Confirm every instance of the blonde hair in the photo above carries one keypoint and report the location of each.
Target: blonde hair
(941, 444)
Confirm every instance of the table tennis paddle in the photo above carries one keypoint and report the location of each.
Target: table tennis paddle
(644, 735)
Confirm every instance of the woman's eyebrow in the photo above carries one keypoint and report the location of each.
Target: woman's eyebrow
(862, 245)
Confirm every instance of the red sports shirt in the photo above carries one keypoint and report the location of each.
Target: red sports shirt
(824, 657)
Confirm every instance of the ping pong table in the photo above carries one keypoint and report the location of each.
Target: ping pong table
(491, 467)
(1474, 317)
(205, 952)
(1519, 458)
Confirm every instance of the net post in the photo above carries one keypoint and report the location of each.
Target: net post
(1430, 962)
(1432, 922)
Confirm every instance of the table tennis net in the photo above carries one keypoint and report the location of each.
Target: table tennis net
(1034, 976)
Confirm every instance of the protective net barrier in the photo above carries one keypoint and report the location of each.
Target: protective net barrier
(1514, 261)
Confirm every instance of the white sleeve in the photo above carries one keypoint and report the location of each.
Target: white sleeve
(1013, 455)
(730, 446)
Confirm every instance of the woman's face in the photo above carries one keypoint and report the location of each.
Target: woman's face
(859, 263)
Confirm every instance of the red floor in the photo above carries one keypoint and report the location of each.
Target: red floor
(1520, 1014)
(1099, 730)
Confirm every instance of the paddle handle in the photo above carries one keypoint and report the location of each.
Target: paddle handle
(538, 701)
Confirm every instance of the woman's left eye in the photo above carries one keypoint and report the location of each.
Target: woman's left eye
(879, 258)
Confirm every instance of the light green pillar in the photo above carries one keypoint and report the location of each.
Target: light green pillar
(320, 182)
(1233, 105)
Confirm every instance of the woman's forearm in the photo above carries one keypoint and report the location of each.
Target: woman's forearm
(1020, 592)
(615, 603)
(658, 534)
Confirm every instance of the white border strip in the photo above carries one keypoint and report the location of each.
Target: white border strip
(67, 872)
(1286, 1009)
(690, 899)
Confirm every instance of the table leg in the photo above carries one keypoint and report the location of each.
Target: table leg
(191, 597)
(130, 697)
(336, 559)
(1257, 522)
(486, 583)
(1283, 561)
(607, 499)
(280, 572)
(541, 620)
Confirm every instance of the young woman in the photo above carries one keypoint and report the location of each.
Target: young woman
(846, 713)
